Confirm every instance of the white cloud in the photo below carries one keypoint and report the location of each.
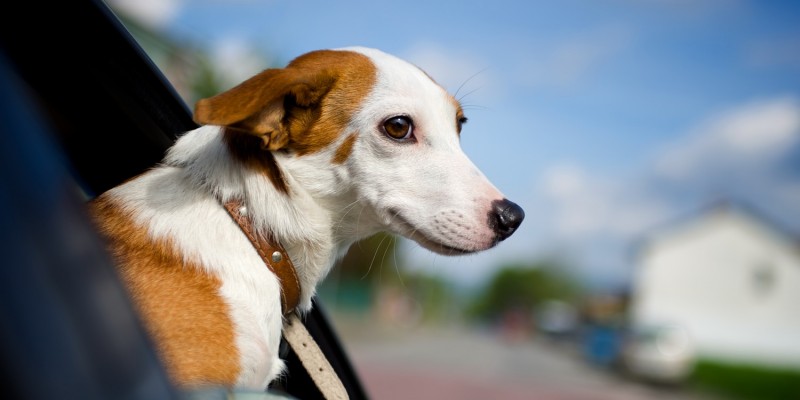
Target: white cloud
(748, 153)
(745, 138)
(236, 59)
(581, 200)
(152, 13)
(587, 205)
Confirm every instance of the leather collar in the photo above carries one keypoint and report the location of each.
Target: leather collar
(273, 255)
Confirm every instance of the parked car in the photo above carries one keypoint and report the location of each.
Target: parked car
(659, 353)
(83, 109)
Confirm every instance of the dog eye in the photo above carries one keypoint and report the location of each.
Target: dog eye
(399, 127)
(460, 122)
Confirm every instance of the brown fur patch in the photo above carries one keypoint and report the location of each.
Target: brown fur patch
(344, 150)
(248, 150)
(179, 303)
(354, 76)
(459, 116)
(303, 107)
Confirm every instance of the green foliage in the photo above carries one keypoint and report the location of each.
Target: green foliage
(374, 258)
(522, 287)
(205, 80)
(747, 382)
(354, 280)
(432, 293)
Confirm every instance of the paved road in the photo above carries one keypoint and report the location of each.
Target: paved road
(463, 365)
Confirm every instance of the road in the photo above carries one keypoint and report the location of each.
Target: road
(444, 364)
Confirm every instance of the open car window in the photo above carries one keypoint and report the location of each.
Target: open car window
(85, 109)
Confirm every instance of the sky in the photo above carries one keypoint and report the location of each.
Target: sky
(603, 119)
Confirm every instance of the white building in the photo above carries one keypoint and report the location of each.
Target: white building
(729, 280)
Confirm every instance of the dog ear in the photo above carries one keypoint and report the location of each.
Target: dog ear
(269, 105)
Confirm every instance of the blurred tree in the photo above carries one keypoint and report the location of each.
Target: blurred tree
(367, 259)
(522, 288)
(204, 80)
(353, 281)
(188, 66)
(434, 295)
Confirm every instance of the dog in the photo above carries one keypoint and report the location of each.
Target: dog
(336, 146)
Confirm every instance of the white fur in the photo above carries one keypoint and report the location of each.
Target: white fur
(438, 190)
(428, 191)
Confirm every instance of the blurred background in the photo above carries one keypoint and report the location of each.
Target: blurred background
(655, 148)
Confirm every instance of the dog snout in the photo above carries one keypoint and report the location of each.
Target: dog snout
(505, 218)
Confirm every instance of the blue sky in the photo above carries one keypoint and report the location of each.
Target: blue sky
(602, 119)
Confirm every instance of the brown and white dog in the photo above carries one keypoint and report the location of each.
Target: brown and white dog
(337, 146)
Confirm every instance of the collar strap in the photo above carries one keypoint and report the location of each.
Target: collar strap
(273, 255)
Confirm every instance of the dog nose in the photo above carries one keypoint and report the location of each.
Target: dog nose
(505, 218)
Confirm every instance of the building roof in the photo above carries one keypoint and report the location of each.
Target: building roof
(720, 206)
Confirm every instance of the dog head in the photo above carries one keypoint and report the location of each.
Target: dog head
(373, 140)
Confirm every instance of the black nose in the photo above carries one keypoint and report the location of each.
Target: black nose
(505, 218)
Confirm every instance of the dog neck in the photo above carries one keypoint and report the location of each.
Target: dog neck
(272, 254)
(310, 211)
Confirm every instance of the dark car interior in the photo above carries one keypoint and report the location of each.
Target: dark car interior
(83, 109)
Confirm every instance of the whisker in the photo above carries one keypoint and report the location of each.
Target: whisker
(469, 93)
(466, 107)
(396, 267)
(467, 81)
(377, 248)
(349, 208)
(358, 222)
